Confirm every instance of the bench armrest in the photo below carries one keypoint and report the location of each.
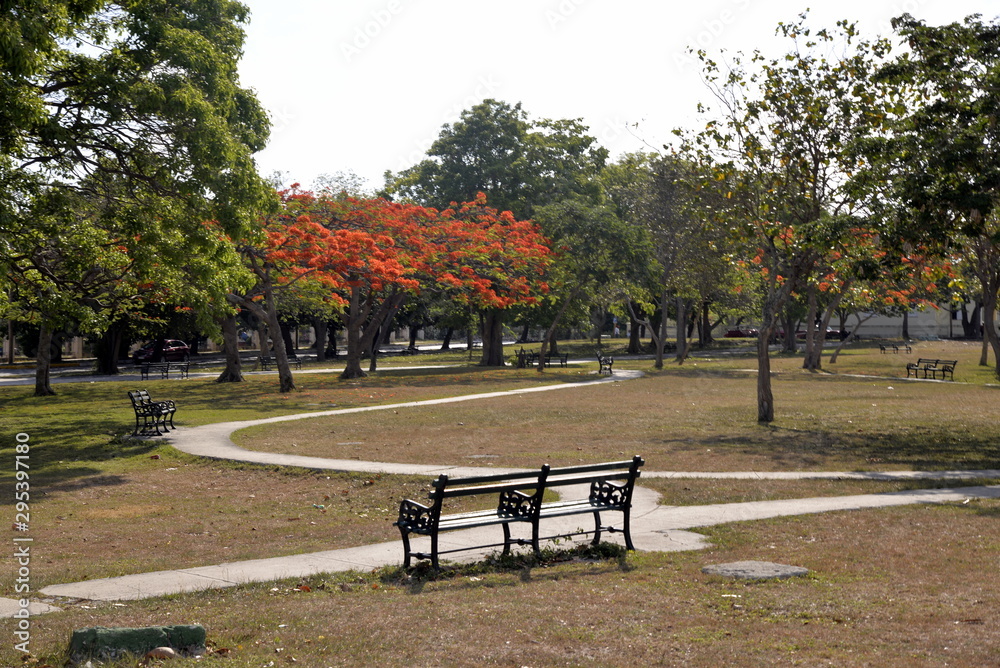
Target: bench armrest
(607, 493)
(415, 516)
(518, 504)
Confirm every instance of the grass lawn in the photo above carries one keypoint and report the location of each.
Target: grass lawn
(902, 586)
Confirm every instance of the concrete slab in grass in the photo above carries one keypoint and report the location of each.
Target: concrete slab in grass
(10, 607)
(111, 643)
(755, 570)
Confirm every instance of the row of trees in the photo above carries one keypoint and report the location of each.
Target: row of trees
(835, 179)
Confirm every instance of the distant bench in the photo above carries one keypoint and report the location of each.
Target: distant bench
(884, 347)
(525, 359)
(164, 369)
(265, 363)
(515, 504)
(605, 364)
(154, 415)
(931, 368)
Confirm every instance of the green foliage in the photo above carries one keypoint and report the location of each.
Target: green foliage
(128, 129)
(494, 148)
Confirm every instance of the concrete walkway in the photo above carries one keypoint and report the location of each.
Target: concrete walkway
(654, 527)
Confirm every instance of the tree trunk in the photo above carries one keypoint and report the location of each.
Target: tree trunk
(810, 358)
(850, 336)
(446, 343)
(414, 330)
(362, 339)
(525, 331)
(108, 346)
(286, 338)
(634, 333)
(661, 334)
(492, 338)
(43, 387)
(682, 328)
(233, 373)
(321, 328)
(285, 381)
(373, 353)
(549, 340)
(990, 327)
(906, 325)
(791, 345)
(262, 334)
(765, 398)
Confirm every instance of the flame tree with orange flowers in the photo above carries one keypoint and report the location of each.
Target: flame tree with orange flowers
(369, 254)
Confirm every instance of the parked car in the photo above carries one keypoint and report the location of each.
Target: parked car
(737, 332)
(173, 351)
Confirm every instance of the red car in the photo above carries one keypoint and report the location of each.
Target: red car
(173, 351)
(738, 332)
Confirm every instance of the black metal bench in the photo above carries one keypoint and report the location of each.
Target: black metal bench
(884, 347)
(153, 415)
(265, 363)
(531, 358)
(605, 364)
(164, 369)
(930, 368)
(520, 500)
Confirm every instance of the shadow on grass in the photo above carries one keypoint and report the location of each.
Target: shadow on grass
(929, 449)
(523, 564)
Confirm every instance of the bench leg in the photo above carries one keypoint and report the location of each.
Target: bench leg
(534, 536)
(506, 538)
(434, 551)
(406, 547)
(627, 529)
(597, 528)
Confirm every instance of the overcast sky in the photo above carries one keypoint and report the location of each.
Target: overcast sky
(366, 85)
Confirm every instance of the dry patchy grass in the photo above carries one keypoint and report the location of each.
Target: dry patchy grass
(914, 586)
(902, 586)
(699, 417)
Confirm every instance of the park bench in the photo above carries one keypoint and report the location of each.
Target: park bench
(164, 369)
(154, 415)
(884, 347)
(931, 368)
(519, 497)
(605, 364)
(265, 363)
(550, 358)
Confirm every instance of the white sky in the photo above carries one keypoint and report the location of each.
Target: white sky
(366, 85)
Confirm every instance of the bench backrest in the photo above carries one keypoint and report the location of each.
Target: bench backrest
(445, 487)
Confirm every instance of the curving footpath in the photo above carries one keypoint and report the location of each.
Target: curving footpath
(655, 527)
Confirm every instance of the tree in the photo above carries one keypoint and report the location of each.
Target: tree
(593, 249)
(497, 150)
(370, 254)
(518, 163)
(941, 160)
(778, 146)
(136, 110)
